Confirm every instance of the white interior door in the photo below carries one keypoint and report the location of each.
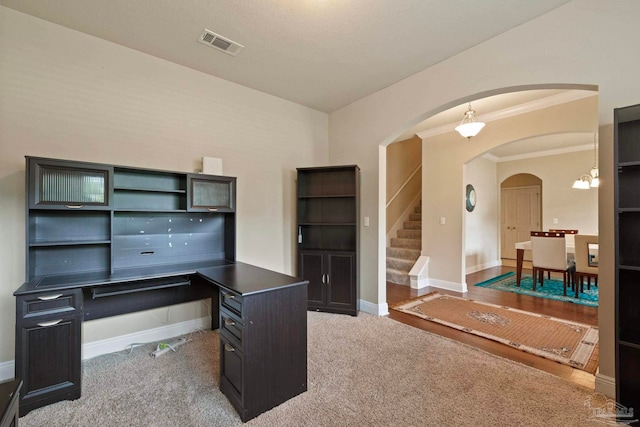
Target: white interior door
(519, 215)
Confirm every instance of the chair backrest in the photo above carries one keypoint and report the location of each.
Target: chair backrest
(548, 250)
(582, 253)
(569, 235)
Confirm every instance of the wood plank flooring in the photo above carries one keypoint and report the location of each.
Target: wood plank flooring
(559, 309)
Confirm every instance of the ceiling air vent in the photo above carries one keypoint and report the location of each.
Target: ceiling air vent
(221, 43)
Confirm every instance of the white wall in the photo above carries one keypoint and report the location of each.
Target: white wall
(585, 42)
(574, 209)
(482, 235)
(64, 94)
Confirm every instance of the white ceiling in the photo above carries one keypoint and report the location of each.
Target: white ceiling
(324, 54)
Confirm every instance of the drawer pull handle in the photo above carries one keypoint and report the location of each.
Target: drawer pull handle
(229, 296)
(51, 323)
(50, 297)
(74, 206)
(229, 322)
(229, 348)
(212, 209)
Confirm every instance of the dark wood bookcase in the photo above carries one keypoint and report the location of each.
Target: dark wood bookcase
(627, 229)
(328, 235)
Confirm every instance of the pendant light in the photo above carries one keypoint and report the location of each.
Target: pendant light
(468, 127)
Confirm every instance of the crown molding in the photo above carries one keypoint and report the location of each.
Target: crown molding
(564, 150)
(516, 110)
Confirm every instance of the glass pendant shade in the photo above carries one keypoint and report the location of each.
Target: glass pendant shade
(582, 183)
(468, 127)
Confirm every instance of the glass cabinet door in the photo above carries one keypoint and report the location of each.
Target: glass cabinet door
(211, 193)
(65, 185)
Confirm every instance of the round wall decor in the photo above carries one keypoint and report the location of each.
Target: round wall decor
(471, 198)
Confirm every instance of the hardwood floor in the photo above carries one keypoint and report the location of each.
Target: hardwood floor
(559, 309)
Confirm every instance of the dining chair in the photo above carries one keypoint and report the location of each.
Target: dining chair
(569, 235)
(585, 267)
(549, 253)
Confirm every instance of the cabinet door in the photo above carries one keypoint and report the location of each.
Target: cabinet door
(232, 375)
(312, 268)
(211, 193)
(55, 184)
(341, 281)
(48, 360)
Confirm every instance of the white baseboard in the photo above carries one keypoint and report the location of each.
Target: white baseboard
(484, 266)
(375, 309)
(7, 370)
(450, 286)
(606, 385)
(122, 342)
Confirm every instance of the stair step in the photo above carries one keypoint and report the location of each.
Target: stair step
(398, 277)
(415, 217)
(400, 264)
(412, 225)
(410, 234)
(397, 242)
(418, 209)
(404, 253)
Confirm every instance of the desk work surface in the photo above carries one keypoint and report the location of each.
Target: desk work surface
(247, 279)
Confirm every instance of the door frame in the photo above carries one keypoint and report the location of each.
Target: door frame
(538, 218)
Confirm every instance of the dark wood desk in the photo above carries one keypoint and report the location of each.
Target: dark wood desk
(9, 392)
(261, 315)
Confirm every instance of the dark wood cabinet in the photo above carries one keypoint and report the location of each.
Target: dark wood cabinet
(331, 278)
(263, 337)
(48, 347)
(328, 236)
(211, 193)
(627, 229)
(60, 184)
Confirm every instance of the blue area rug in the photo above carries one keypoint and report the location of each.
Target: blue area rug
(552, 289)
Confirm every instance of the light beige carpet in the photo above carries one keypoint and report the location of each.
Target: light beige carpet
(571, 343)
(363, 371)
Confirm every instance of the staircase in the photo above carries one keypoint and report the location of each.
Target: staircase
(405, 249)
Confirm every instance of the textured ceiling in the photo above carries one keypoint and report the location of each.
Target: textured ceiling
(324, 54)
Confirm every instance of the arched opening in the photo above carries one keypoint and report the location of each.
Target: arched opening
(515, 116)
(541, 148)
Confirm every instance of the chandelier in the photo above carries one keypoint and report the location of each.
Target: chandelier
(468, 127)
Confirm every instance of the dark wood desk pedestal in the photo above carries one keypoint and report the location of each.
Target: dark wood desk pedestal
(9, 392)
(262, 316)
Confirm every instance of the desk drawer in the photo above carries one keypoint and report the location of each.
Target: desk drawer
(231, 301)
(231, 327)
(47, 303)
(232, 373)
